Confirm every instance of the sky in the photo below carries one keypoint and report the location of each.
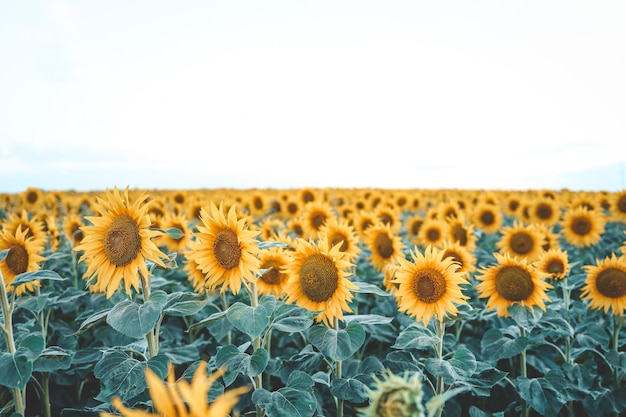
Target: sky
(286, 94)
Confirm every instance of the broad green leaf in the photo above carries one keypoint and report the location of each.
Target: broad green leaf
(92, 321)
(367, 319)
(525, 317)
(124, 376)
(258, 362)
(40, 275)
(367, 288)
(495, 346)
(292, 319)
(349, 389)
(16, 368)
(464, 363)
(337, 344)
(212, 318)
(300, 380)
(132, 319)
(183, 304)
(253, 321)
(416, 336)
(34, 344)
(175, 233)
(238, 362)
(540, 397)
(272, 244)
(34, 304)
(53, 358)
(286, 402)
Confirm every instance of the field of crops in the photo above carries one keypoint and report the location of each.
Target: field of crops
(312, 302)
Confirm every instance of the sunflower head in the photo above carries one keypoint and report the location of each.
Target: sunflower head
(318, 279)
(605, 286)
(512, 281)
(394, 395)
(553, 263)
(23, 255)
(581, 227)
(429, 285)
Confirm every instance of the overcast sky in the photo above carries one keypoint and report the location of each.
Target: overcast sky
(283, 94)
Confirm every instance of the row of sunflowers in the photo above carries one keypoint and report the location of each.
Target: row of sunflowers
(312, 302)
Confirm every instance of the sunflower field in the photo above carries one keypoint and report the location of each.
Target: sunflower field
(312, 302)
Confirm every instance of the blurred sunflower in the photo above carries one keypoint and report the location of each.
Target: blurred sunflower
(318, 279)
(553, 263)
(195, 275)
(118, 244)
(545, 210)
(384, 246)
(314, 215)
(363, 220)
(24, 256)
(32, 199)
(512, 203)
(225, 249)
(340, 231)
(429, 285)
(273, 280)
(31, 225)
(605, 285)
(461, 231)
(71, 225)
(487, 217)
(179, 398)
(433, 232)
(617, 208)
(520, 240)
(395, 396)
(581, 227)
(461, 255)
(550, 239)
(388, 215)
(511, 281)
(412, 225)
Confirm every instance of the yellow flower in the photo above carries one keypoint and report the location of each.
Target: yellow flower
(24, 256)
(520, 240)
(554, 263)
(429, 285)
(385, 247)
(581, 227)
(273, 280)
(225, 249)
(605, 286)
(118, 243)
(183, 399)
(318, 279)
(512, 281)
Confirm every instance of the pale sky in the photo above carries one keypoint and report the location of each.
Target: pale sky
(283, 94)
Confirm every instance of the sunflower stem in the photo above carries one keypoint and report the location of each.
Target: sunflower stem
(153, 343)
(617, 327)
(441, 331)
(338, 371)
(7, 312)
(258, 380)
(568, 339)
(523, 372)
(225, 306)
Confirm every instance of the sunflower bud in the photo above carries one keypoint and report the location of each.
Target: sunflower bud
(394, 396)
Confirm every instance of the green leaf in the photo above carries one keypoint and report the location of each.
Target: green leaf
(300, 380)
(525, 317)
(496, 346)
(292, 319)
(438, 401)
(337, 344)
(258, 362)
(212, 318)
(464, 363)
(368, 319)
(540, 397)
(238, 362)
(34, 304)
(40, 275)
(132, 319)
(175, 233)
(3, 254)
(416, 336)
(286, 402)
(367, 288)
(182, 304)
(33, 343)
(16, 368)
(52, 359)
(349, 389)
(250, 320)
(122, 375)
(92, 321)
(272, 244)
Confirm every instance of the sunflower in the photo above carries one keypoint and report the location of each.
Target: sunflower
(581, 227)
(195, 276)
(461, 255)
(179, 398)
(385, 247)
(511, 281)
(545, 210)
(429, 285)
(24, 256)
(512, 204)
(487, 217)
(225, 249)
(433, 232)
(340, 231)
(388, 215)
(318, 279)
(412, 225)
(118, 244)
(32, 199)
(520, 240)
(605, 286)
(71, 226)
(32, 225)
(363, 220)
(554, 263)
(273, 279)
(394, 395)
(462, 232)
(314, 215)
(617, 208)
